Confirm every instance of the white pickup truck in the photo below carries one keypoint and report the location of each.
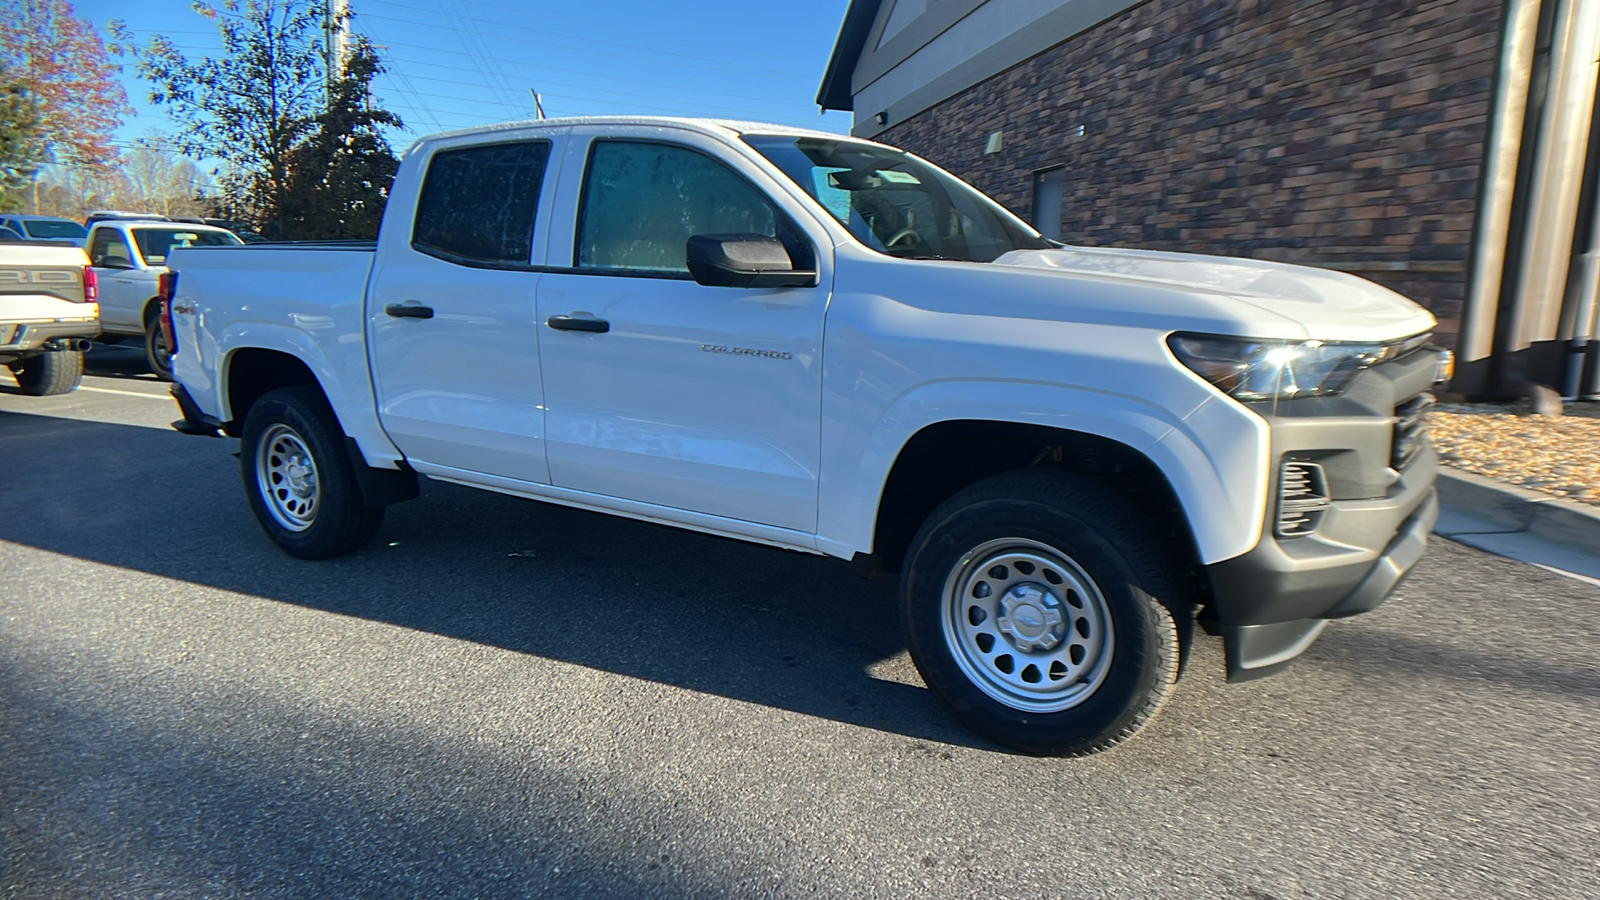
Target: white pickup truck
(48, 313)
(828, 345)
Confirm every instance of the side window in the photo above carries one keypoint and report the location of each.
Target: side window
(643, 201)
(107, 249)
(478, 203)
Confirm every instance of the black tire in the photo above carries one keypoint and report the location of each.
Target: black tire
(49, 373)
(311, 517)
(1043, 538)
(156, 353)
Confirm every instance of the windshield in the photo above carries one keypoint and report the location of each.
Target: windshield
(156, 243)
(895, 203)
(46, 228)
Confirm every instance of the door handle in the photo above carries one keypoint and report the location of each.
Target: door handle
(409, 311)
(576, 323)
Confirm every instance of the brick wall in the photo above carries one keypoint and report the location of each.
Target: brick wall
(1323, 132)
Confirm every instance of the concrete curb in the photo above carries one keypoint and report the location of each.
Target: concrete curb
(1511, 509)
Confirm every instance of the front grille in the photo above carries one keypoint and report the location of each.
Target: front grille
(1302, 498)
(1410, 430)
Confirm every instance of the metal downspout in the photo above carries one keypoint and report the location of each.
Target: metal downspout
(1542, 276)
(1587, 319)
(1476, 340)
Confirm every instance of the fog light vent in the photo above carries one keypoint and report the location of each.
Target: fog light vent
(1410, 430)
(1302, 499)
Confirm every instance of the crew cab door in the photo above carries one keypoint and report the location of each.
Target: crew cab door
(659, 389)
(450, 311)
(122, 287)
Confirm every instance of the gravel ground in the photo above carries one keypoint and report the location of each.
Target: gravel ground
(1556, 455)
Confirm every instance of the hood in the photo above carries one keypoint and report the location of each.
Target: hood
(1329, 305)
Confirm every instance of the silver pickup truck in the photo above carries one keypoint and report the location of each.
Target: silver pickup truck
(48, 313)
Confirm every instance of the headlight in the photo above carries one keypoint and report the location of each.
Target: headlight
(1251, 369)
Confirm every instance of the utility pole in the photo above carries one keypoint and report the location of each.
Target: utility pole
(335, 18)
(538, 104)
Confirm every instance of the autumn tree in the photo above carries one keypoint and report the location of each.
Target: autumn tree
(21, 146)
(162, 181)
(62, 61)
(249, 107)
(339, 176)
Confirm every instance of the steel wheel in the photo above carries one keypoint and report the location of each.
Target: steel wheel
(287, 477)
(1027, 625)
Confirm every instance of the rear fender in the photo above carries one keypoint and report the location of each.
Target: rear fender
(344, 381)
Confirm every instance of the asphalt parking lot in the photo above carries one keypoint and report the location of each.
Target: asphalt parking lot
(502, 699)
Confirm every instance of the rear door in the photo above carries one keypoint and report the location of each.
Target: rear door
(450, 311)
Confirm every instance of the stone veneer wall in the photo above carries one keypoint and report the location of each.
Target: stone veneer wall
(1333, 132)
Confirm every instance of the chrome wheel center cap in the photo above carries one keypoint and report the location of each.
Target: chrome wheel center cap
(1031, 618)
(299, 475)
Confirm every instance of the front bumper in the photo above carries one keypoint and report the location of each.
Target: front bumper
(1270, 603)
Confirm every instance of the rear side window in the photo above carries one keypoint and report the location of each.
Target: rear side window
(478, 203)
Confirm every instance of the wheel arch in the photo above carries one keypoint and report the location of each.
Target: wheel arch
(946, 457)
(250, 373)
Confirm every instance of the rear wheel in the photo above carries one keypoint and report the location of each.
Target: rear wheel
(301, 485)
(156, 352)
(1038, 606)
(54, 372)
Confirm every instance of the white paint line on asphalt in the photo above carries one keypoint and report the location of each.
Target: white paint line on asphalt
(96, 390)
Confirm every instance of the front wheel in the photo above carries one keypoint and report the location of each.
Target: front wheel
(50, 373)
(301, 485)
(1037, 605)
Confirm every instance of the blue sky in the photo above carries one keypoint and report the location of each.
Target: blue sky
(457, 63)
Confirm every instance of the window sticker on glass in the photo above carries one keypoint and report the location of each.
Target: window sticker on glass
(832, 197)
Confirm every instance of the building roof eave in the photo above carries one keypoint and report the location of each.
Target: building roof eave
(835, 91)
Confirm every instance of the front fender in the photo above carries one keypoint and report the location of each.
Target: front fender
(1215, 457)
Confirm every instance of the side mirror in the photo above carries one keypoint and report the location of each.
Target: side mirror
(743, 260)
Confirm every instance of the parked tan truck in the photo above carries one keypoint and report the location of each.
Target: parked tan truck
(48, 314)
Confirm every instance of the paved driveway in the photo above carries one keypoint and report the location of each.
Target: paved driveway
(499, 698)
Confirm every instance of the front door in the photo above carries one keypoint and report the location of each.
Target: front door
(121, 286)
(697, 398)
(450, 316)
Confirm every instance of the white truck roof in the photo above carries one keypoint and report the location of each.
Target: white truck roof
(724, 128)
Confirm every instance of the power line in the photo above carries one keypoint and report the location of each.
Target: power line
(698, 62)
(589, 40)
(600, 75)
(403, 83)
